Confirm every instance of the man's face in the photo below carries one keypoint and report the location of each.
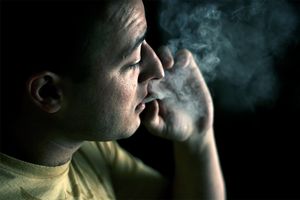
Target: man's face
(109, 103)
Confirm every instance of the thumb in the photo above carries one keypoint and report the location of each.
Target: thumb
(150, 116)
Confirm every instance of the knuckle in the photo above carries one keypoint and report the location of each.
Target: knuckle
(185, 53)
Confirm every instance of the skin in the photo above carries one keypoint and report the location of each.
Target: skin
(167, 120)
(197, 173)
(109, 100)
(108, 105)
(105, 106)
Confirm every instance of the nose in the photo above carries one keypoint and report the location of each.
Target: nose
(151, 67)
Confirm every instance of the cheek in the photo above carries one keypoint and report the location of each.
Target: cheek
(119, 112)
(124, 92)
(119, 94)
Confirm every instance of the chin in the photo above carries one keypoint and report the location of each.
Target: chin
(122, 135)
(125, 129)
(126, 135)
(131, 128)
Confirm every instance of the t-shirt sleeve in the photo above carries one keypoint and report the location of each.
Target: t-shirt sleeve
(131, 178)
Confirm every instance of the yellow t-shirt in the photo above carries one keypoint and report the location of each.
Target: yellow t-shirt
(98, 170)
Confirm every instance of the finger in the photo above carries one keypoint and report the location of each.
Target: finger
(207, 100)
(165, 55)
(183, 58)
(150, 114)
(207, 121)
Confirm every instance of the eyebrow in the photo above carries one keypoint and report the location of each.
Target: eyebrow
(134, 45)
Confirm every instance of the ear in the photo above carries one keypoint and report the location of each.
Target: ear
(45, 91)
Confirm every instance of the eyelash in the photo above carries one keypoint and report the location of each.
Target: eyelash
(135, 65)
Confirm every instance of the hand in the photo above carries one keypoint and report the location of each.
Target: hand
(185, 108)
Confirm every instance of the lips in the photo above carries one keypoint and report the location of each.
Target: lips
(141, 106)
(146, 98)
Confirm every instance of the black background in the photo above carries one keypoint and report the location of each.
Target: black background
(258, 149)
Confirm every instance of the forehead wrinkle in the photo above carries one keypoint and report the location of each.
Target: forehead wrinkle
(129, 19)
(140, 26)
(134, 20)
(125, 19)
(120, 13)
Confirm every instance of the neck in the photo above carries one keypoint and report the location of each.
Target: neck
(42, 147)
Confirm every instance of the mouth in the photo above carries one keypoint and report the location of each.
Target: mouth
(147, 99)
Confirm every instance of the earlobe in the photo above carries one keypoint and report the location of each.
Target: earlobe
(45, 91)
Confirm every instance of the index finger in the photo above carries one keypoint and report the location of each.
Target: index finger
(165, 55)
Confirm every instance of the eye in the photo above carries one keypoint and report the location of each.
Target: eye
(135, 65)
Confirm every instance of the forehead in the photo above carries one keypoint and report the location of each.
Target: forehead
(124, 22)
(124, 11)
(126, 17)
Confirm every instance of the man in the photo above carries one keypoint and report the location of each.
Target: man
(83, 75)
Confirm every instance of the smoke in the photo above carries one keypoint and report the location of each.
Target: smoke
(234, 43)
(181, 94)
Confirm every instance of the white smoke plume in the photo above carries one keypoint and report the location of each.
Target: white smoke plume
(180, 94)
(234, 43)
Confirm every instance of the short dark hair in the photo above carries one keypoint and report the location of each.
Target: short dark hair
(50, 35)
(43, 35)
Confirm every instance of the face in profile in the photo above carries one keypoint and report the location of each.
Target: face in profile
(109, 103)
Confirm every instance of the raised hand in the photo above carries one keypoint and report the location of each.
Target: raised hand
(184, 106)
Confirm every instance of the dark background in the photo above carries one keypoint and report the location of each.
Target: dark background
(259, 149)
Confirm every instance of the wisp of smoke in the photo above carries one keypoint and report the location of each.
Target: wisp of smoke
(179, 93)
(233, 42)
